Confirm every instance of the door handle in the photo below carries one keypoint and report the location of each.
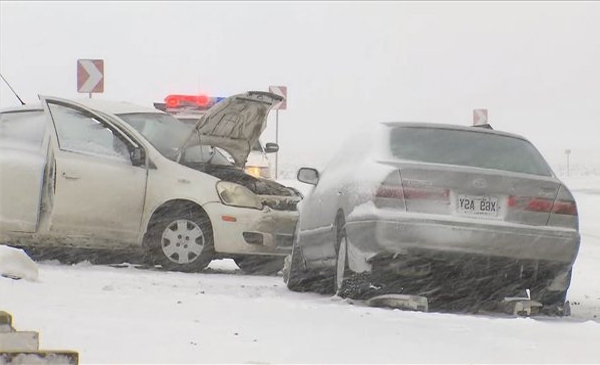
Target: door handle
(69, 176)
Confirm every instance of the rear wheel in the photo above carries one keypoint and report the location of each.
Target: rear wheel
(260, 265)
(181, 239)
(346, 283)
(554, 303)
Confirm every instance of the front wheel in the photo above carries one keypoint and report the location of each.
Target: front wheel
(260, 265)
(301, 279)
(181, 240)
(341, 267)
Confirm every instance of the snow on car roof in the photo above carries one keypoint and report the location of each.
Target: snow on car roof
(112, 107)
(22, 108)
(451, 126)
(117, 107)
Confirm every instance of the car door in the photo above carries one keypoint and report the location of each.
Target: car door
(99, 192)
(23, 159)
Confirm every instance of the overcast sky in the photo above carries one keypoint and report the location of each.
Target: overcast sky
(534, 65)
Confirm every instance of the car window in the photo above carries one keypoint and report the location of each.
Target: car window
(22, 130)
(79, 131)
(465, 148)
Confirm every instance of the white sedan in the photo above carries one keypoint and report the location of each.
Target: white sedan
(106, 175)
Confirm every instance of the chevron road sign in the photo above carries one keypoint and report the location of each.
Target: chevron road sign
(90, 76)
(480, 117)
(280, 90)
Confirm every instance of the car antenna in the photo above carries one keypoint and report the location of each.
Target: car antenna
(11, 89)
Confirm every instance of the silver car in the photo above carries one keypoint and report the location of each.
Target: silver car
(454, 214)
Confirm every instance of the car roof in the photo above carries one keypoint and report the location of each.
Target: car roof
(187, 115)
(117, 107)
(112, 107)
(452, 127)
(23, 108)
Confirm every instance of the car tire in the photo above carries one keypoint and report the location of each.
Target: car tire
(300, 279)
(181, 239)
(341, 273)
(346, 283)
(554, 303)
(260, 265)
(296, 278)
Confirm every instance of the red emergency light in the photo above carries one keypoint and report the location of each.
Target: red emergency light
(174, 101)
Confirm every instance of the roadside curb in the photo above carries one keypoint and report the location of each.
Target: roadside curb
(22, 347)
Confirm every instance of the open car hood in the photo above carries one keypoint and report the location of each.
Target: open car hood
(234, 124)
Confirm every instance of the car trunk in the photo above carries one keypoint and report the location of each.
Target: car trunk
(467, 192)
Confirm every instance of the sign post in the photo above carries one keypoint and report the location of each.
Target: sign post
(90, 76)
(568, 152)
(279, 90)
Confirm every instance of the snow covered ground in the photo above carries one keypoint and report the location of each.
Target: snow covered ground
(130, 315)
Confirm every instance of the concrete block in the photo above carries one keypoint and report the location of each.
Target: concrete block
(39, 358)
(5, 318)
(22, 347)
(19, 341)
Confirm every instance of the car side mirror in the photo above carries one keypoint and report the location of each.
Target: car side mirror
(308, 175)
(271, 147)
(137, 156)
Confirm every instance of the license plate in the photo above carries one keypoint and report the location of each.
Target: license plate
(486, 206)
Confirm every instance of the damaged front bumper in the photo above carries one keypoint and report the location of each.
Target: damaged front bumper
(252, 231)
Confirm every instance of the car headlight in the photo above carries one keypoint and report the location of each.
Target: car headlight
(237, 195)
(258, 171)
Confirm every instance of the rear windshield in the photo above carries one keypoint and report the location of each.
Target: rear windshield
(465, 148)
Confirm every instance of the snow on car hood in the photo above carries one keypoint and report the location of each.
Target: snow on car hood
(234, 124)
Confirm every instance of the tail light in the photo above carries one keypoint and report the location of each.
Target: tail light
(390, 196)
(399, 192)
(567, 207)
(396, 193)
(542, 205)
(387, 191)
(411, 193)
(427, 193)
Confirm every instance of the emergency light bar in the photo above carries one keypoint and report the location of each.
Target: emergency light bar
(188, 102)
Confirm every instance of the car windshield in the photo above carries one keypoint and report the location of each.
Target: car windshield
(163, 131)
(167, 134)
(466, 148)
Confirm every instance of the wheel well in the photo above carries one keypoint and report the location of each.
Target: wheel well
(180, 205)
